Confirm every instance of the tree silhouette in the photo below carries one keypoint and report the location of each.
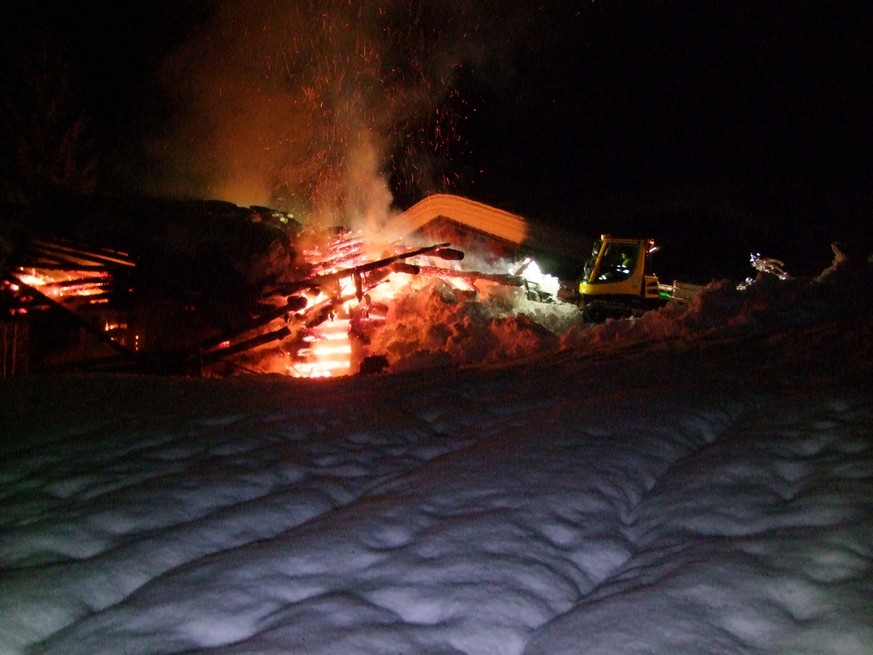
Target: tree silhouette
(45, 132)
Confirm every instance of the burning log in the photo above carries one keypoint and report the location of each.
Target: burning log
(244, 346)
(293, 304)
(320, 280)
(57, 265)
(99, 280)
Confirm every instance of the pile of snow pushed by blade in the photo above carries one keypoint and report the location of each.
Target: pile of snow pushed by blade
(842, 291)
(434, 325)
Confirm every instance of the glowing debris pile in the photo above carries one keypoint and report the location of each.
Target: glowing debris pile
(79, 280)
(343, 300)
(342, 314)
(323, 345)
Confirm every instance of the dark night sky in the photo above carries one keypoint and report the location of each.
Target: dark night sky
(734, 121)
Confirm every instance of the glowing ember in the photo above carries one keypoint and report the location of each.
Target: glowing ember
(326, 351)
(64, 284)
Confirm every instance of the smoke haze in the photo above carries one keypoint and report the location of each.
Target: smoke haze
(322, 108)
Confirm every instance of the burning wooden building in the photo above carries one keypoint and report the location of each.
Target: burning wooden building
(188, 309)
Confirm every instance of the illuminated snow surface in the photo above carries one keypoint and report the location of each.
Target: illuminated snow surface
(698, 481)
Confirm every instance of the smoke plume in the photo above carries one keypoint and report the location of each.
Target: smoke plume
(324, 108)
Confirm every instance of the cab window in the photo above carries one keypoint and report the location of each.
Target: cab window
(617, 263)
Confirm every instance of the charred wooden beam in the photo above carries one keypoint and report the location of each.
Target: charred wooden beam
(96, 281)
(71, 252)
(440, 250)
(60, 266)
(293, 304)
(319, 280)
(214, 356)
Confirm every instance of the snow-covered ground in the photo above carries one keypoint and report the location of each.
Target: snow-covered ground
(697, 481)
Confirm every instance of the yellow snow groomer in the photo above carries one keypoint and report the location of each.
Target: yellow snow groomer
(618, 281)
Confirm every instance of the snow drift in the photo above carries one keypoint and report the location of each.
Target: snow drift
(697, 481)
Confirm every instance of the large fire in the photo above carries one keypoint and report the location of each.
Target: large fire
(335, 312)
(357, 305)
(347, 299)
(324, 347)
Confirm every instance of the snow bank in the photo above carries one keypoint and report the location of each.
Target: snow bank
(844, 290)
(437, 325)
(696, 495)
(434, 325)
